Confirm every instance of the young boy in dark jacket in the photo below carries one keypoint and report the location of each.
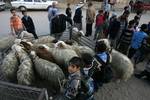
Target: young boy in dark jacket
(28, 23)
(74, 82)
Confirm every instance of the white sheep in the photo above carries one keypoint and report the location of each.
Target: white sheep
(6, 42)
(9, 66)
(44, 39)
(48, 70)
(83, 49)
(121, 64)
(25, 73)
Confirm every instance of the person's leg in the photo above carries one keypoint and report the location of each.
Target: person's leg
(88, 29)
(131, 52)
(50, 28)
(34, 34)
(142, 74)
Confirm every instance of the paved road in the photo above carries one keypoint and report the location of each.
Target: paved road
(134, 89)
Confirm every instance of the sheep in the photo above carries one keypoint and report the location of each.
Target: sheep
(9, 66)
(77, 34)
(6, 42)
(121, 64)
(43, 40)
(47, 70)
(62, 56)
(83, 49)
(25, 73)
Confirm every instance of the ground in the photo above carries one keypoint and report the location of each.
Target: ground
(133, 89)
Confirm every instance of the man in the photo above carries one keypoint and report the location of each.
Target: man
(78, 17)
(59, 25)
(52, 11)
(137, 39)
(15, 23)
(90, 16)
(28, 23)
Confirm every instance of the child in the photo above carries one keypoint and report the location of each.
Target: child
(28, 23)
(126, 38)
(68, 11)
(15, 23)
(74, 82)
(101, 71)
(99, 25)
(88, 81)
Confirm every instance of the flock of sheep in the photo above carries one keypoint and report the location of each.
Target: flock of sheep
(48, 58)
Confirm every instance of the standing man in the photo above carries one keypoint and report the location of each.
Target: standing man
(52, 11)
(78, 17)
(68, 11)
(28, 23)
(15, 23)
(90, 16)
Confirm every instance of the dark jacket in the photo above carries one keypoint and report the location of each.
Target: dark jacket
(68, 13)
(78, 16)
(114, 28)
(28, 23)
(59, 23)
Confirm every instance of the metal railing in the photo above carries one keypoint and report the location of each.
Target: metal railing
(9, 91)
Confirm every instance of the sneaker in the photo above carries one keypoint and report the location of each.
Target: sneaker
(138, 76)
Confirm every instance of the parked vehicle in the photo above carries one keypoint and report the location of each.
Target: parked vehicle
(2, 5)
(142, 5)
(32, 4)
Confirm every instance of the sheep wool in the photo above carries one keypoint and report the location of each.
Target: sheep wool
(25, 74)
(83, 49)
(48, 70)
(6, 42)
(9, 66)
(122, 65)
(43, 40)
(63, 56)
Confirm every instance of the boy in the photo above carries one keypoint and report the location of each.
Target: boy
(15, 23)
(99, 25)
(137, 39)
(101, 71)
(28, 23)
(88, 86)
(74, 82)
(126, 38)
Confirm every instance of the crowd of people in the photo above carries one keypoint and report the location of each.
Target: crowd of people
(124, 35)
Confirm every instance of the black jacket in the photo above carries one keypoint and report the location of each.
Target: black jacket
(68, 13)
(28, 23)
(59, 23)
(114, 28)
(78, 16)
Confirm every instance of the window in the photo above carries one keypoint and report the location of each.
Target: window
(37, 0)
(27, 0)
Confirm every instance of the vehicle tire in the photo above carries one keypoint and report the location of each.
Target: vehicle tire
(21, 8)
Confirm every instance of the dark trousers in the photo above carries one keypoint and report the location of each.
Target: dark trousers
(33, 32)
(123, 48)
(145, 73)
(132, 51)
(88, 29)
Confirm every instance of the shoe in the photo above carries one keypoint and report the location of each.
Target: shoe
(138, 76)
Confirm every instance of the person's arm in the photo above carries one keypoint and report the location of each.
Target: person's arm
(11, 27)
(32, 22)
(72, 91)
